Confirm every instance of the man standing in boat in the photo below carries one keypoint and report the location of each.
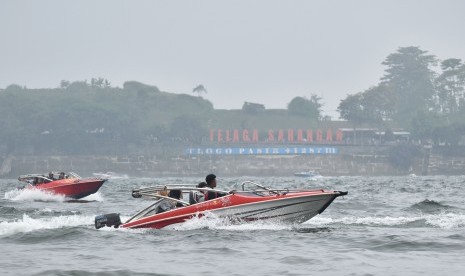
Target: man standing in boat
(211, 183)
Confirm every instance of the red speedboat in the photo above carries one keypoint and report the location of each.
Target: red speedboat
(261, 203)
(70, 185)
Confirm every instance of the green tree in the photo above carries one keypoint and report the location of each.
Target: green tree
(100, 83)
(410, 77)
(301, 106)
(352, 110)
(199, 90)
(64, 84)
(13, 88)
(378, 103)
(138, 87)
(371, 106)
(450, 86)
(374, 105)
(78, 86)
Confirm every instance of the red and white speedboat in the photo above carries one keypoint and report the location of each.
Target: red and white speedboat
(70, 185)
(261, 203)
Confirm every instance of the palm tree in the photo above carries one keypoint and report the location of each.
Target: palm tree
(199, 89)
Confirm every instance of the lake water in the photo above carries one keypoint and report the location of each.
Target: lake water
(384, 226)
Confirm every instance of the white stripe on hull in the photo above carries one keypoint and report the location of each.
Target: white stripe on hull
(297, 209)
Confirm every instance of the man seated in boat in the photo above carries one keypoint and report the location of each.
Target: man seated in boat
(211, 183)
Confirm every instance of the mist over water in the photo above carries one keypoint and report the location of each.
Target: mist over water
(384, 226)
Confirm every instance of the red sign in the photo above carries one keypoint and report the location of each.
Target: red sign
(275, 136)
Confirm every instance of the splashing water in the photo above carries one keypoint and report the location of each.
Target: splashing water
(446, 221)
(33, 195)
(212, 221)
(28, 224)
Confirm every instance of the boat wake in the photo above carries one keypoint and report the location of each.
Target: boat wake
(33, 195)
(7, 212)
(90, 198)
(111, 175)
(212, 222)
(28, 224)
(44, 196)
(443, 220)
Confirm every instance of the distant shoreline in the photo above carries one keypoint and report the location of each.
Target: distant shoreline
(354, 161)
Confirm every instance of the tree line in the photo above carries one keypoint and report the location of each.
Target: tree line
(418, 92)
(94, 117)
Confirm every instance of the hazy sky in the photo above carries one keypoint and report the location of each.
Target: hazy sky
(258, 51)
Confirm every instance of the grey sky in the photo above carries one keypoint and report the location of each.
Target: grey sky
(259, 51)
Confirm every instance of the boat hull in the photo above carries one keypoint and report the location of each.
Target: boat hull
(72, 188)
(293, 207)
(294, 210)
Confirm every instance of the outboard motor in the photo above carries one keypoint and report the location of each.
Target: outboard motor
(136, 194)
(108, 220)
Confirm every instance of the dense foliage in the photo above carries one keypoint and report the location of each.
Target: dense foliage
(310, 108)
(80, 117)
(413, 95)
(95, 118)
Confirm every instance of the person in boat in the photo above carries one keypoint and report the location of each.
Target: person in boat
(197, 196)
(163, 192)
(211, 183)
(50, 176)
(61, 175)
(166, 204)
(176, 194)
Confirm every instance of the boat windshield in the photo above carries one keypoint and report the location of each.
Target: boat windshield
(34, 179)
(161, 205)
(151, 210)
(259, 189)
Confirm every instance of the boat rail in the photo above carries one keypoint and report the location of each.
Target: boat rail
(43, 176)
(27, 177)
(75, 175)
(153, 191)
(274, 191)
(151, 207)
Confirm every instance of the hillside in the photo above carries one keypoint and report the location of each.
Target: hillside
(95, 118)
